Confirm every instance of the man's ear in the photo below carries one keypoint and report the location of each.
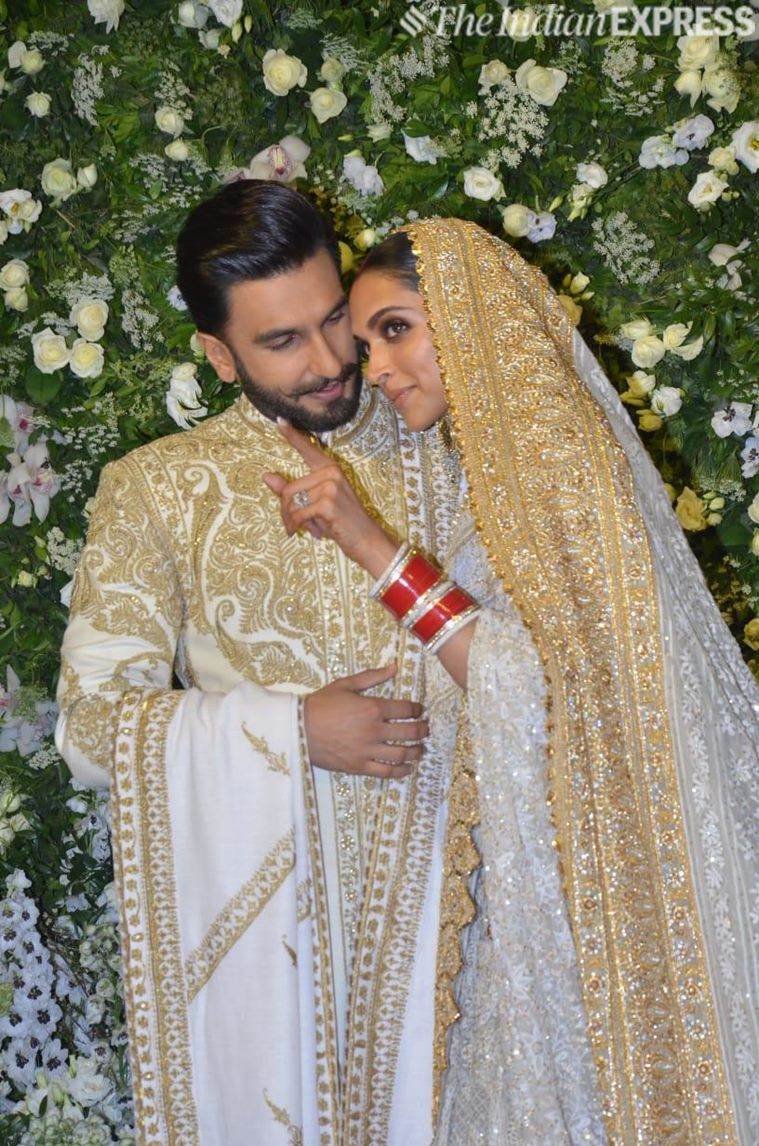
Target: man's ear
(219, 357)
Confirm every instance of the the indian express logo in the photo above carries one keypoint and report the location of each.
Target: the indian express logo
(555, 20)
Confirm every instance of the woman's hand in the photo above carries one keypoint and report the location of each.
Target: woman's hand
(332, 508)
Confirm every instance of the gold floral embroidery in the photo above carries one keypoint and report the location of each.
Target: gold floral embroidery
(275, 761)
(294, 1133)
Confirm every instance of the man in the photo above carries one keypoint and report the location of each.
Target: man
(276, 832)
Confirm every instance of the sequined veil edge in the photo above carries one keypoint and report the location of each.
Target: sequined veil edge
(554, 502)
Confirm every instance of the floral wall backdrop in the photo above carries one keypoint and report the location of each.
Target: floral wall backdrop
(622, 165)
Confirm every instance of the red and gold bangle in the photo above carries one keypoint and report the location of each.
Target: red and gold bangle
(419, 596)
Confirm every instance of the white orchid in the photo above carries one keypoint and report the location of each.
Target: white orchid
(658, 151)
(362, 175)
(107, 12)
(183, 396)
(732, 419)
(31, 483)
(282, 162)
(693, 132)
(423, 148)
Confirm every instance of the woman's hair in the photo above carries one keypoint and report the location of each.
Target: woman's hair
(393, 257)
(250, 229)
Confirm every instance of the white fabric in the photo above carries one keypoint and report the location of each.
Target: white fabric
(521, 1070)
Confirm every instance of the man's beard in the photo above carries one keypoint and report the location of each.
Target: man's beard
(336, 413)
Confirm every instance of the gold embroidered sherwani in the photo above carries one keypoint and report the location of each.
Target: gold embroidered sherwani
(250, 884)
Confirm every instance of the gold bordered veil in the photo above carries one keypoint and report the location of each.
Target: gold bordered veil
(557, 502)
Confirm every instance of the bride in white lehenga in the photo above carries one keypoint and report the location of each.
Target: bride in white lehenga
(608, 992)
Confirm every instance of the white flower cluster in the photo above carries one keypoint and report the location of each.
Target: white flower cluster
(623, 247)
(97, 437)
(87, 86)
(137, 321)
(741, 419)
(31, 1014)
(19, 211)
(392, 74)
(63, 552)
(624, 67)
(510, 114)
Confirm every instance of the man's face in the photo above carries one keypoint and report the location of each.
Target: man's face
(290, 345)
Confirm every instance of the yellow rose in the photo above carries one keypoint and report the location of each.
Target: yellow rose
(331, 71)
(690, 511)
(573, 309)
(641, 383)
(492, 73)
(517, 219)
(697, 51)
(17, 299)
(751, 633)
(647, 420)
(282, 72)
(647, 351)
(14, 274)
(177, 150)
(347, 258)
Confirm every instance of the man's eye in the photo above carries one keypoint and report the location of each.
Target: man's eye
(333, 318)
(282, 345)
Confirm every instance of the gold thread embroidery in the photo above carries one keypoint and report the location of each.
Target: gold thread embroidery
(238, 914)
(275, 761)
(294, 1133)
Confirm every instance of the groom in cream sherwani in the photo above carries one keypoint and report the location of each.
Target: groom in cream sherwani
(277, 829)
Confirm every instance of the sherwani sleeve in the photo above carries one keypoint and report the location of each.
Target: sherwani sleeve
(209, 840)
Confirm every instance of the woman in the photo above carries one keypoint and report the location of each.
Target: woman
(601, 678)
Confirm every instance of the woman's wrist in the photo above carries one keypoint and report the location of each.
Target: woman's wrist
(377, 551)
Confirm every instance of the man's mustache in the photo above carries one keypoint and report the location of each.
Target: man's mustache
(345, 375)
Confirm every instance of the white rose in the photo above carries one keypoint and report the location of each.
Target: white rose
(492, 73)
(87, 177)
(89, 316)
(593, 174)
(38, 104)
(107, 12)
(745, 144)
(32, 62)
(87, 359)
(182, 374)
(58, 180)
(331, 71)
(666, 400)
(87, 1087)
(689, 350)
(518, 220)
(723, 159)
(647, 351)
(697, 51)
(520, 25)
(190, 14)
(378, 131)
(675, 334)
(422, 148)
(706, 190)
(636, 328)
(722, 84)
(29, 211)
(169, 120)
(177, 150)
(50, 351)
(542, 84)
(753, 510)
(282, 72)
(689, 83)
(14, 274)
(327, 103)
(227, 12)
(16, 298)
(479, 183)
(3, 233)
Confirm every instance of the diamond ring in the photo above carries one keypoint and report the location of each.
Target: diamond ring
(301, 498)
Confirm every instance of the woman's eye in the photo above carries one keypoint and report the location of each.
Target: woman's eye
(394, 325)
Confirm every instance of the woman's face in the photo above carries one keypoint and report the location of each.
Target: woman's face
(389, 321)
